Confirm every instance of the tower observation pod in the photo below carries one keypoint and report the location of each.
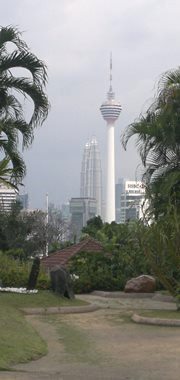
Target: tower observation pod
(110, 111)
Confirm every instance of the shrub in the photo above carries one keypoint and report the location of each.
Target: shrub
(14, 273)
(43, 281)
(108, 272)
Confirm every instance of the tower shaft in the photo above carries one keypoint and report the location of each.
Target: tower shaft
(110, 111)
(110, 180)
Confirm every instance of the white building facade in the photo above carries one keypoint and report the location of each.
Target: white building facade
(8, 196)
(130, 196)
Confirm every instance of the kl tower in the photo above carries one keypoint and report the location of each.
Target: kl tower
(110, 111)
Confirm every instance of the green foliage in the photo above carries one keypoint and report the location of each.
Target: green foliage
(93, 225)
(29, 232)
(15, 273)
(158, 142)
(93, 269)
(161, 244)
(107, 271)
(15, 253)
(22, 233)
(43, 281)
(31, 85)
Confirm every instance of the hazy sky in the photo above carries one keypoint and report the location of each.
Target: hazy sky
(74, 38)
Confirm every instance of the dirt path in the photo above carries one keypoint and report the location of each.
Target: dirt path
(104, 345)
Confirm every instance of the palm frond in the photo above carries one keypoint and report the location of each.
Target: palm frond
(11, 34)
(27, 88)
(12, 118)
(25, 60)
(6, 173)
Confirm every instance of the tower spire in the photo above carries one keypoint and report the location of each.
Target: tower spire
(110, 92)
(110, 88)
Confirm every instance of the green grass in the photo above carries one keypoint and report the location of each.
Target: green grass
(19, 342)
(168, 314)
(43, 298)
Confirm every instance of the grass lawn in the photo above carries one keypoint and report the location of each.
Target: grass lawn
(19, 341)
(167, 314)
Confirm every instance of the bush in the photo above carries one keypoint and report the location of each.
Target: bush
(108, 272)
(43, 281)
(14, 273)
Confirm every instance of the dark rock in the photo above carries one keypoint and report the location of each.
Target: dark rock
(34, 274)
(141, 284)
(61, 282)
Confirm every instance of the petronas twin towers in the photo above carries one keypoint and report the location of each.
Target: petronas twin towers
(91, 174)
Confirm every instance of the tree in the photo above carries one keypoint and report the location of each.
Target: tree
(21, 230)
(12, 116)
(93, 225)
(27, 233)
(161, 245)
(158, 141)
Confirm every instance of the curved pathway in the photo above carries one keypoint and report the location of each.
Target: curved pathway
(104, 345)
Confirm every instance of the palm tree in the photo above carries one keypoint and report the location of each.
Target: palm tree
(158, 142)
(13, 122)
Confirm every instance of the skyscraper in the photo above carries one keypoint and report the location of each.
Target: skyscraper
(8, 196)
(130, 200)
(110, 111)
(91, 174)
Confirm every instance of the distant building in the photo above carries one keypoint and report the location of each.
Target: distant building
(24, 200)
(65, 210)
(81, 209)
(91, 174)
(129, 200)
(119, 190)
(8, 196)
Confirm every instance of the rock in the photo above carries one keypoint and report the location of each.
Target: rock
(61, 282)
(34, 274)
(141, 284)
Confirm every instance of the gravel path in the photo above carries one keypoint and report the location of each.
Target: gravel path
(117, 349)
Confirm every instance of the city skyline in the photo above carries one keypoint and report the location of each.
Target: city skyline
(74, 39)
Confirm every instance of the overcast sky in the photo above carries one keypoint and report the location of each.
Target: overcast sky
(74, 38)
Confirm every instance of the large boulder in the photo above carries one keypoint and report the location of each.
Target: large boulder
(141, 284)
(61, 282)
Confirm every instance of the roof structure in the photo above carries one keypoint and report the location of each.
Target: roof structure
(62, 257)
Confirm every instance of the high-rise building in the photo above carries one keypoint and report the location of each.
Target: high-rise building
(91, 174)
(24, 200)
(8, 196)
(110, 111)
(130, 197)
